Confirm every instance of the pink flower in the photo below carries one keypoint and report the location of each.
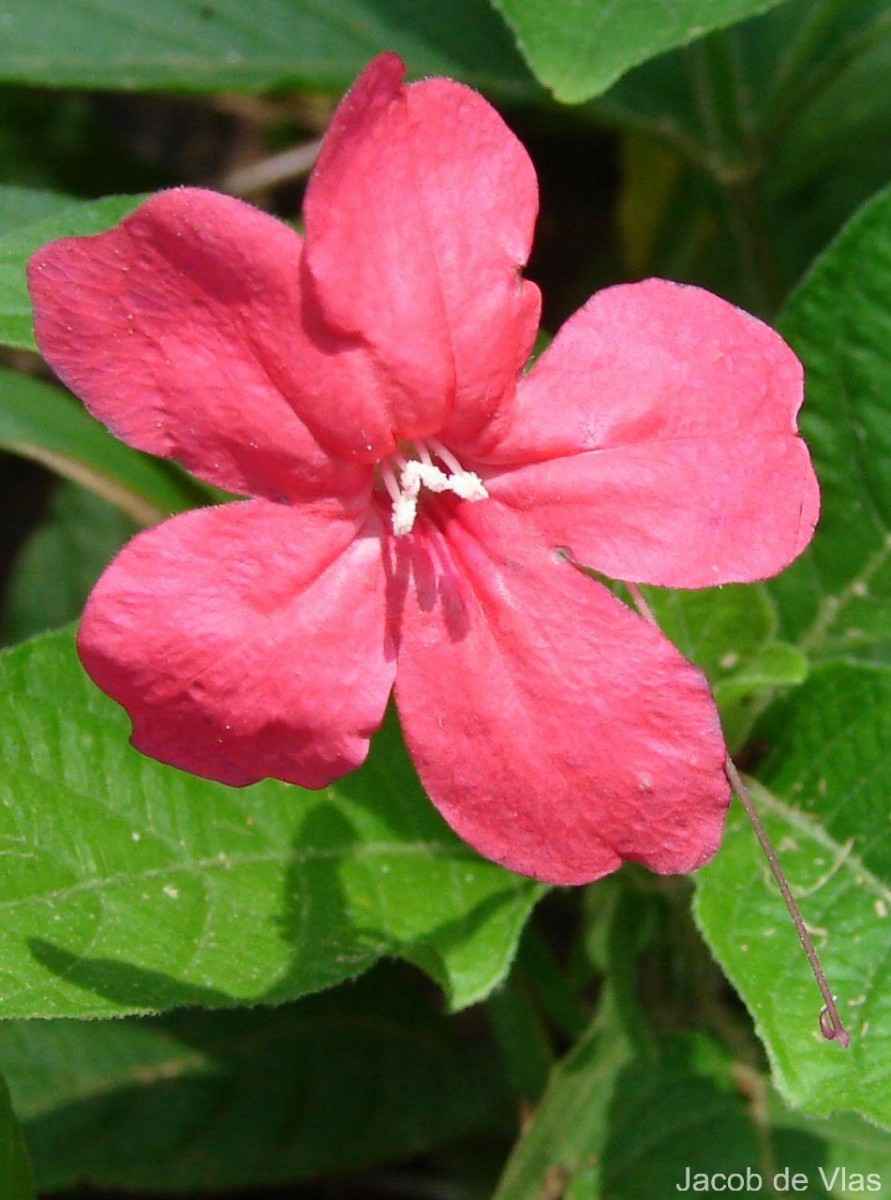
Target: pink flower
(417, 498)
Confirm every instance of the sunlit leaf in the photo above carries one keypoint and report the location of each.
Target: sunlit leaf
(16, 247)
(730, 633)
(836, 601)
(578, 48)
(132, 887)
(825, 796)
(40, 421)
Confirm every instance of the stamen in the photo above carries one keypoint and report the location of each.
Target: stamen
(405, 506)
(468, 486)
(388, 475)
(405, 509)
(445, 456)
(415, 473)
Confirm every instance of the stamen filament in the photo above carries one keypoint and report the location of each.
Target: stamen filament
(389, 478)
(445, 456)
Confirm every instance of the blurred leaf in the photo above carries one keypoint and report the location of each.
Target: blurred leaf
(568, 1130)
(40, 421)
(851, 1146)
(824, 795)
(651, 176)
(16, 1179)
(826, 118)
(691, 1107)
(577, 48)
(563, 1143)
(620, 1125)
(667, 1119)
(743, 694)
(133, 887)
(836, 600)
(522, 1039)
(341, 1081)
(76, 144)
(779, 128)
(79, 218)
(23, 206)
(62, 559)
(827, 103)
(208, 45)
(730, 633)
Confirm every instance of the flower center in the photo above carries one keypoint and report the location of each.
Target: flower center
(404, 477)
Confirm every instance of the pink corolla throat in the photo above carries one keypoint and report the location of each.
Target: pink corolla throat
(431, 466)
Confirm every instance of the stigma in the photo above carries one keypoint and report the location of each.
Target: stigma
(404, 477)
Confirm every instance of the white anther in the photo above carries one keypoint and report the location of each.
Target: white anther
(417, 473)
(468, 486)
(405, 509)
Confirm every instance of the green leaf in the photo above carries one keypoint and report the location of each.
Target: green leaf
(132, 887)
(836, 600)
(209, 45)
(692, 1107)
(563, 1144)
(849, 1147)
(40, 421)
(730, 633)
(760, 142)
(16, 247)
(16, 1179)
(62, 559)
(569, 1128)
(825, 106)
(577, 48)
(24, 206)
(743, 694)
(342, 1081)
(618, 1125)
(824, 796)
(689, 1110)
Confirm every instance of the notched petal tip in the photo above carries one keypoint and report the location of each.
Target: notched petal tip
(385, 74)
(657, 435)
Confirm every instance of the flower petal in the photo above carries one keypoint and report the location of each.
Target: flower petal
(419, 217)
(555, 730)
(246, 641)
(656, 439)
(174, 328)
